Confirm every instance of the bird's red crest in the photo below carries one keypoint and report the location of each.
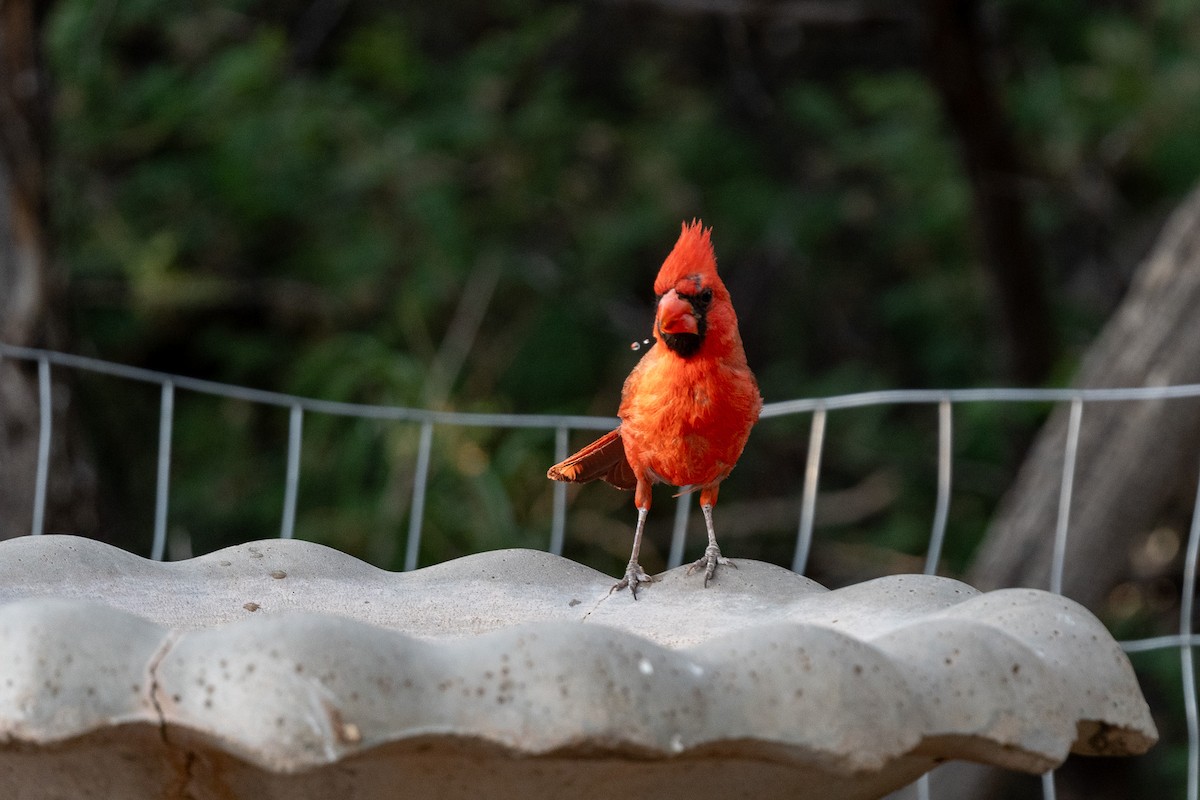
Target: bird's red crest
(692, 255)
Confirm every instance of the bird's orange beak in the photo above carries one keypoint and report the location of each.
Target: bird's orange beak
(675, 315)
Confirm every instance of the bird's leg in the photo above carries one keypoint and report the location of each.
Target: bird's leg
(712, 554)
(634, 574)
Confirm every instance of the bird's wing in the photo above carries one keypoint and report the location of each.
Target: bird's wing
(603, 458)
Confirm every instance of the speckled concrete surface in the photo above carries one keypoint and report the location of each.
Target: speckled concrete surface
(287, 669)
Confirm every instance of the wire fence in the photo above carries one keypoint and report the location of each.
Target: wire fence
(562, 425)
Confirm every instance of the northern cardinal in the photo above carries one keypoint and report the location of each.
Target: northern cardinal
(686, 408)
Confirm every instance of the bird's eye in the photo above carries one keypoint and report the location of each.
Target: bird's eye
(705, 295)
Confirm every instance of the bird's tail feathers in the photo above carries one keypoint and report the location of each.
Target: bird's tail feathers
(604, 459)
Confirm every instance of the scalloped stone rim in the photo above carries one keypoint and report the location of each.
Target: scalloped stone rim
(289, 657)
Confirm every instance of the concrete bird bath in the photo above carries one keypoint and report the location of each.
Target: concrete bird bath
(287, 669)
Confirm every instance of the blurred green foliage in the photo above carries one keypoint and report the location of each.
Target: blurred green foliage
(463, 205)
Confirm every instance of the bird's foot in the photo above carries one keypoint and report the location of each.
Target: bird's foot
(709, 561)
(634, 577)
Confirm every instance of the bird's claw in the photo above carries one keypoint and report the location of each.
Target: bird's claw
(634, 576)
(709, 561)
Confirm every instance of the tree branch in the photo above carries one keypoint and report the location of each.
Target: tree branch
(955, 53)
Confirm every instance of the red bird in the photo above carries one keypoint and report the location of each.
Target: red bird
(687, 407)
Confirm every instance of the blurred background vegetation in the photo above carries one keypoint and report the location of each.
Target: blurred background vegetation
(463, 205)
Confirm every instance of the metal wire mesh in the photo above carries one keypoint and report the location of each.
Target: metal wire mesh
(562, 425)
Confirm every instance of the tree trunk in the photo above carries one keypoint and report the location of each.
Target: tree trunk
(28, 290)
(956, 57)
(1132, 455)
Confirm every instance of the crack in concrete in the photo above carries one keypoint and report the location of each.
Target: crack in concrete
(152, 673)
(185, 758)
(602, 598)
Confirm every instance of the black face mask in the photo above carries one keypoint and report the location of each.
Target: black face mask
(686, 345)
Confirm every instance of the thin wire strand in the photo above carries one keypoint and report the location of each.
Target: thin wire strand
(43, 462)
(808, 502)
(1048, 791)
(942, 508)
(418, 499)
(335, 408)
(1187, 631)
(166, 417)
(683, 511)
(1188, 669)
(1059, 558)
(558, 524)
(287, 528)
(989, 395)
(1159, 643)
(776, 409)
